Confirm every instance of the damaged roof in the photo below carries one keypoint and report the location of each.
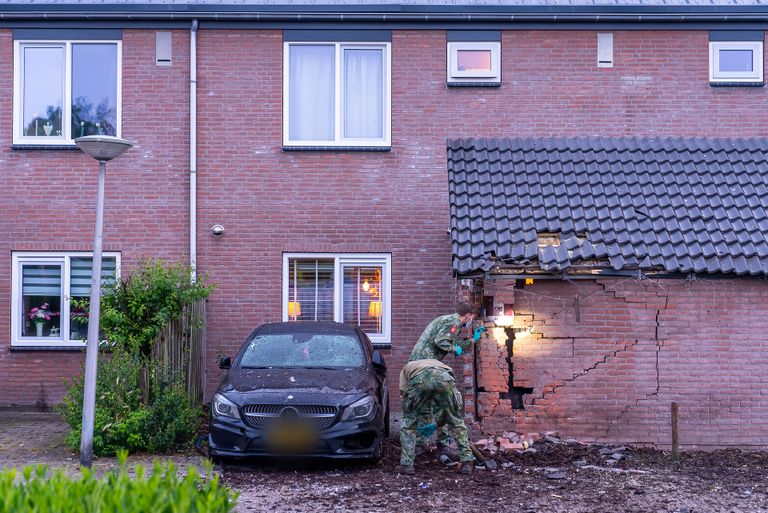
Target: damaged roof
(681, 205)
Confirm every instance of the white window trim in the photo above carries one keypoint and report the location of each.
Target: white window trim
(344, 259)
(455, 75)
(17, 314)
(338, 139)
(715, 75)
(66, 119)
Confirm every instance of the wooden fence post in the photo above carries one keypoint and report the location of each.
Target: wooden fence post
(675, 440)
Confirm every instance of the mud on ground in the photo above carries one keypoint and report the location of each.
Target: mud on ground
(557, 478)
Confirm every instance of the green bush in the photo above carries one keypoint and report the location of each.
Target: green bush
(135, 309)
(38, 491)
(121, 421)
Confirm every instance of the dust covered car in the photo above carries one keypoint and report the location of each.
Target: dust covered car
(303, 389)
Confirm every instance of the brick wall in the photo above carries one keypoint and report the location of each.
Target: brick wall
(270, 201)
(637, 346)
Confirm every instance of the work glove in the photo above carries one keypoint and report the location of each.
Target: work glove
(427, 430)
(458, 350)
(478, 331)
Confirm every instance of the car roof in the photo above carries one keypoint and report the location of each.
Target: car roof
(320, 327)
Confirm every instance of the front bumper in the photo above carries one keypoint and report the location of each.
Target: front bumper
(232, 438)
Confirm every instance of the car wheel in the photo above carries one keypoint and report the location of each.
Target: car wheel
(386, 423)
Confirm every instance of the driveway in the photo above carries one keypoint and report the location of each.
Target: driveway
(557, 477)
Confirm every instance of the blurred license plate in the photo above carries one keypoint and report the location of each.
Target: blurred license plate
(291, 437)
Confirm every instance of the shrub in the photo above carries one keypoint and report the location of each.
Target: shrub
(121, 421)
(39, 491)
(135, 309)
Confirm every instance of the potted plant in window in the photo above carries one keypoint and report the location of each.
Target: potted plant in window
(39, 315)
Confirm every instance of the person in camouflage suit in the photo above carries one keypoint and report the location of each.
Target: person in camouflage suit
(440, 337)
(428, 387)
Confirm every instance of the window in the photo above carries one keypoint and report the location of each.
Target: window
(474, 62)
(65, 90)
(50, 296)
(354, 289)
(736, 61)
(336, 94)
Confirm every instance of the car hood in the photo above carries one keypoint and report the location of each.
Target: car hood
(244, 384)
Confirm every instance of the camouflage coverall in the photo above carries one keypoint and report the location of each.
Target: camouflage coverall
(432, 392)
(438, 339)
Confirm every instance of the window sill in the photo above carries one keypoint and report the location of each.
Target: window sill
(49, 147)
(737, 84)
(338, 148)
(473, 84)
(21, 349)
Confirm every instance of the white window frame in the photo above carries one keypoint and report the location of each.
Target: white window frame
(340, 260)
(64, 259)
(339, 139)
(715, 75)
(66, 114)
(456, 75)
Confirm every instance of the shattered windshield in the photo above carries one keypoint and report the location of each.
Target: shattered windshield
(303, 350)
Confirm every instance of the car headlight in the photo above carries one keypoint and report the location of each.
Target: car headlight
(223, 407)
(362, 410)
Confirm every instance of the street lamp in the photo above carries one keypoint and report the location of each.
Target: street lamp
(103, 148)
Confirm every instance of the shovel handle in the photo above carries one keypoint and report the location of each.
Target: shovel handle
(479, 455)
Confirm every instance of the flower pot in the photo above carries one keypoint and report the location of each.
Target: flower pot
(39, 328)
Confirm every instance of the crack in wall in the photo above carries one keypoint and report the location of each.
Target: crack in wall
(606, 357)
(655, 393)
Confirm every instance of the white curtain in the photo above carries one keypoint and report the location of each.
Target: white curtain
(311, 93)
(363, 90)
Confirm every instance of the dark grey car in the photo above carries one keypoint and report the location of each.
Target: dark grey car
(303, 389)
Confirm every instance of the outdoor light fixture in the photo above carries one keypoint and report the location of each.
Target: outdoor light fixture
(103, 148)
(217, 230)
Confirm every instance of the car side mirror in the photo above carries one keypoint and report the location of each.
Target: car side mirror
(378, 361)
(225, 363)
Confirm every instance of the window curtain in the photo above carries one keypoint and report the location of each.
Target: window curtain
(363, 90)
(311, 92)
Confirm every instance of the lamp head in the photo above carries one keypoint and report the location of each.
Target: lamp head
(103, 147)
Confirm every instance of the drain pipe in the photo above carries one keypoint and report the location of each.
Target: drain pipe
(193, 151)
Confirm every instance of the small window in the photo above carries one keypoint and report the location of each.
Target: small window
(474, 62)
(353, 289)
(736, 61)
(50, 296)
(65, 90)
(336, 94)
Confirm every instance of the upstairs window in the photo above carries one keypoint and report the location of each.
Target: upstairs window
(474, 62)
(352, 288)
(336, 94)
(66, 89)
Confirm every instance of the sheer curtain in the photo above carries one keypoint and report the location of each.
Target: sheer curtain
(311, 92)
(363, 90)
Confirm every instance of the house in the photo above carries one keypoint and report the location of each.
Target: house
(295, 153)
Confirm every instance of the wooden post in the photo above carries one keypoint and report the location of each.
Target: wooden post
(675, 440)
(144, 385)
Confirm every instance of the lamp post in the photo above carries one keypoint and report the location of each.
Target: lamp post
(103, 148)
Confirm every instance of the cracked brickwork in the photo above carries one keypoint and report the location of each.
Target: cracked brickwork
(637, 346)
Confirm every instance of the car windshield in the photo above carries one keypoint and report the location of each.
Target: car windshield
(303, 350)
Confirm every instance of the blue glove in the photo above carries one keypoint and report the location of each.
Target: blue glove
(427, 430)
(478, 331)
(459, 350)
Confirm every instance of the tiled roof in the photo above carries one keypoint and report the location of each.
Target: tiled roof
(678, 205)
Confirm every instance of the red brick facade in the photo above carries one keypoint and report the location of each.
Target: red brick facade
(608, 369)
(271, 201)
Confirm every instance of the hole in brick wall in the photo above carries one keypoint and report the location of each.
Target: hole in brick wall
(515, 394)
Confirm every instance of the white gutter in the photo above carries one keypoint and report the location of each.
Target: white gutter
(193, 151)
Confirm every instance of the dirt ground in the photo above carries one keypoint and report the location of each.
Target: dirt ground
(559, 477)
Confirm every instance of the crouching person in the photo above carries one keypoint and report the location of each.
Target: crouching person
(427, 388)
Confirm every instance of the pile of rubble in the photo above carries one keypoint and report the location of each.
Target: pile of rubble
(510, 442)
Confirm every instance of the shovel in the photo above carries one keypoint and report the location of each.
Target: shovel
(489, 463)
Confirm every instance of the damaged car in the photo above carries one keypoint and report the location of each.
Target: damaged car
(306, 388)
